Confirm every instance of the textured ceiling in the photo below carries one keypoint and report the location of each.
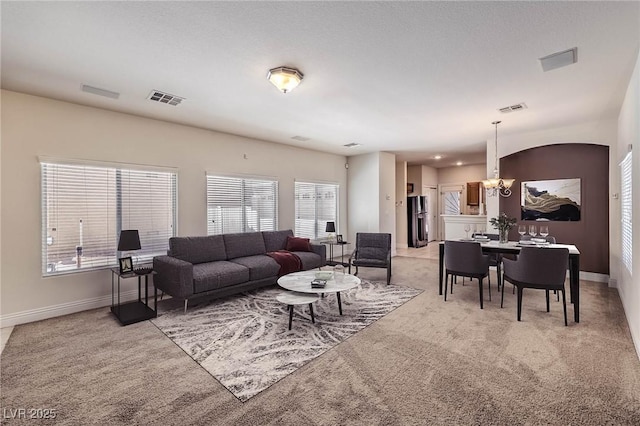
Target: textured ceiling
(412, 78)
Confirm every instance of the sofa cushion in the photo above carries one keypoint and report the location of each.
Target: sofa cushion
(198, 249)
(214, 275)
(309, 260)
(276, 240)
(298, 244)
(260, 266)
(244, 244)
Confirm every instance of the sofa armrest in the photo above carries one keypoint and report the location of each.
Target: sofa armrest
(173, 276)
(321, 250)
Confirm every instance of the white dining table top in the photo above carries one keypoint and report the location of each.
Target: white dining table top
(516, 246)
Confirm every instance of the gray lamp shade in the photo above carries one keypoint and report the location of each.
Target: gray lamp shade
(129, 240)
(331, 227)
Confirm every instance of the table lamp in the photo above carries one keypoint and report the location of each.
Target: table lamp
(331, 228)
(129, 240)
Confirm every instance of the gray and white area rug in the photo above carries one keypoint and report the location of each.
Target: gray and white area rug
(244, 341)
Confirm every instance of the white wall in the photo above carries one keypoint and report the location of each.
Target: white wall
(34, 126)
(462, 174)
(628, 133)
(429, 177)
(387, 164)
(401, 205)
(372, 182)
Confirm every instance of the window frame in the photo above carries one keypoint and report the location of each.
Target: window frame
(319, 232)
(626, 211)
(108, 242)
(243, 181)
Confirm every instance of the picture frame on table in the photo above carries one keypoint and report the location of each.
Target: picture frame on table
(339, 239)
(126, 265)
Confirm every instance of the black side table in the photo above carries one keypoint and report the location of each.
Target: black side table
(137, 310)
(331, 262)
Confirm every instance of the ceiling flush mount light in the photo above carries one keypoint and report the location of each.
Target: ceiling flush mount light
(285, 79)
(497, 185)
(352, 145)
(437, 157)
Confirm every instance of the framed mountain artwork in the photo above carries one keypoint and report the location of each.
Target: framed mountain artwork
(557, 199)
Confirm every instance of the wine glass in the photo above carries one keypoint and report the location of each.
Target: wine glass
(532, 230)
(522, 229)
(467, 228)
(338, 273)
(544, 231)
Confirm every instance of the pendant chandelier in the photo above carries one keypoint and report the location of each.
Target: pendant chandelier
(497, 185)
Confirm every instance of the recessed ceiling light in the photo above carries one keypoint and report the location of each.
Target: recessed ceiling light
(459, 163)
(352, 144)
(437, 157)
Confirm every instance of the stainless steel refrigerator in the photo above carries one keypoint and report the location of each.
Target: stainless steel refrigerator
(417, 218)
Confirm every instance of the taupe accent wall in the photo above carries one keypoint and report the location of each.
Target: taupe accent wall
(590, 163)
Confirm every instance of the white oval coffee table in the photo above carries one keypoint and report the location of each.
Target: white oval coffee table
(301, 282)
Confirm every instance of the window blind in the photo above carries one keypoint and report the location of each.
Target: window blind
(626, 212)
(241, 205)
(84, 208)
(315, 205)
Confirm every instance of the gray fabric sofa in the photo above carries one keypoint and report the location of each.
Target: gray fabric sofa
(222, 265)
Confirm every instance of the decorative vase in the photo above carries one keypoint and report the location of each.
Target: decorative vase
(504, 235)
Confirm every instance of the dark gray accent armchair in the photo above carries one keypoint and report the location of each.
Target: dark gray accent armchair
(373, 250)
(465, 259)
(538, 268)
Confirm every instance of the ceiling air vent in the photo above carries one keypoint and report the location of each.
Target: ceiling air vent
(165, 98)
(300, 138)
(512, 108)
(352, 144)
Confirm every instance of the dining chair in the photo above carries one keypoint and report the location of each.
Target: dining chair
(465, 259)
(372, 250)
(495, 259)
(537, 268)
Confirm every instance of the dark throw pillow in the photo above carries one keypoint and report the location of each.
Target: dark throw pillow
(298, 244)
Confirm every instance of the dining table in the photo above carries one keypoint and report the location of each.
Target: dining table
(514, 247)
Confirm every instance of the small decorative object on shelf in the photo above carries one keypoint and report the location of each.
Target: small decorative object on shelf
(126, 265)
(503, 224)
(318, 283)
(339, 239)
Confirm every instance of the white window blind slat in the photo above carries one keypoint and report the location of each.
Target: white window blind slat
(241, 205)
(85, 207)
(626, 211)
(315, 205)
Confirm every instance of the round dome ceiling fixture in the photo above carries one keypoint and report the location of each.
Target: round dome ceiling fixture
(284, 78)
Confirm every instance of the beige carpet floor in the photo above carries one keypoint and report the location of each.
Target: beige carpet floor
(427, 362)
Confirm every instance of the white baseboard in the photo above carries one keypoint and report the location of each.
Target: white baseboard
(46, 312)
(592, 276)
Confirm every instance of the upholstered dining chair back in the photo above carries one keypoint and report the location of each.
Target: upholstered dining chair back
(538, 268)
(372, 250)
(465, 259)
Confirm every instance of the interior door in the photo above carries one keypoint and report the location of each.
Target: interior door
(450, 203)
